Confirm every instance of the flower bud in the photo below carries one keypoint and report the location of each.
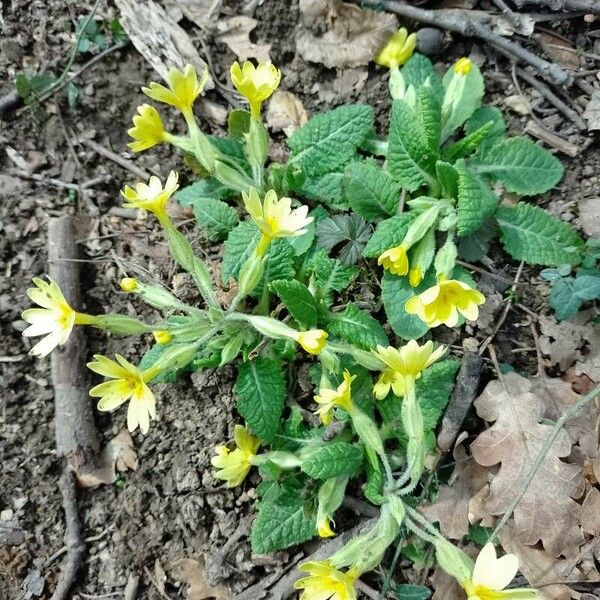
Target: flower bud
(129, 284)
(453, 560)
(232, 178)
(121, 324)
(257, 143)
(250, 274)
(162, 336)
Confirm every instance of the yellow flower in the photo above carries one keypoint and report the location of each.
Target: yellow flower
(398, 49)
(234, 465)
(275, 217)
(325, 582)
(183, 89)
(329, 399)
(148, 129)
(256, 84)
(151, 197)
(395, 260)
(313, 341)
(55, 320)
(415, 276)
(442, 303)
(462, 66)
(324, 527)
(128, 383)
(409, 360)
(389, 379)
(162, 336)
(491, 575)
(128, 284)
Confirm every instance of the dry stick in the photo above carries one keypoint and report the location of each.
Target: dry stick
(126, 164)
(588, 6)
(460, 22)
(568, 414)
(543, 89)
(75, 431)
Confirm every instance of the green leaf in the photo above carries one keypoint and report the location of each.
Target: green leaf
(479, 535)
(238, 124)
(297, 299)
(531, 234)
(281, 522)
(448, 177)
(332, 460)
(370, 191)
(419, 71)
(410, 159)
(389, 233)
(469, 100)
(523, 166)
(237, 249)
(429, 113)
(331, 275)
(260, 390)
(215, 218)
(329, 140)
(279, 264)
(476, 201)
(22, 85)
(587, 286)
(375, 479)
(408, 591)
(350, 230)
(205, 188)
(434, 389)
(395, 292)
(358, 327)
(469, 144)
(119, 35)
(326, 189)
(475, 246)
(152, 356)
(483, 115)
(72, 94)
(563, 299)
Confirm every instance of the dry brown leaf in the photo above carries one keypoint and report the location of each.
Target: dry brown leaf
(118, 455)
(547, 511)
(589, 208)
(562, 340)
(158, 38)
(235, 33)
(592, 111)
(590, 513)
(345, 85)
(590, 364)
(286, 113)
(518, 103)
(201, 12)
(446, 587)
(351, 38)
(451, 507)
(191, 571)
(539, 568)
(559, 49)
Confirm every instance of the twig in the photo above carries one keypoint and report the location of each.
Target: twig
(74, 543)
(9, 102)
(459, 21)
(545, 91)
(568, 414)
(588, 6)
(513, 17)
(484, 271)
(501, 320)
(58, 182)
(465, 390)
(126, 164)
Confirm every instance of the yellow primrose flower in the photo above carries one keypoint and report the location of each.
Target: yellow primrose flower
(313, 341)
(128, 383)
(328, 399)
(398, 49)
(152, 196)
(256, 84)
(55, 320)
(415, 276)
(148, 129)
(443, 302)
(183, 89)
(462, 66)
(325, 582)
(274, 217)
(128, 284)
(389, 380)
(395, 260)
(491, 575)
(234, 465)
(162, 336)
(411, 359)
(324, 527)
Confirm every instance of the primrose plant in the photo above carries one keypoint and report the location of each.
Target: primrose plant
(415, 200)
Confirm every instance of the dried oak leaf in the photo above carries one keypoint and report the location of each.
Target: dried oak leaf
(235, 33)
(561, 340)
(542, 571)
(547, 511)
(336, 34)
(451, 507)
(191, 571)
(286, 113)
(590, 364)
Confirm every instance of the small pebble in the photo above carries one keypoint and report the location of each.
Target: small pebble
(430, 41)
